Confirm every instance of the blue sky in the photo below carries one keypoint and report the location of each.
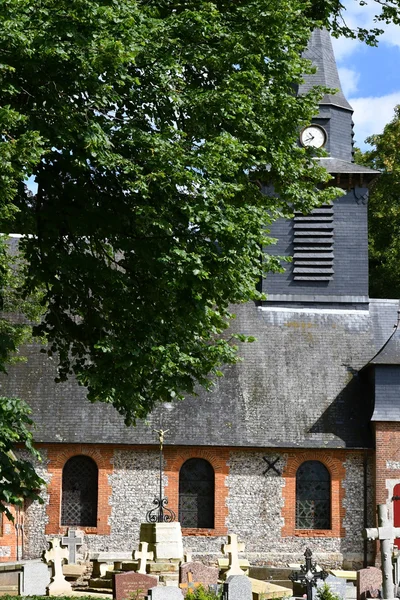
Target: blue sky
(370, 76)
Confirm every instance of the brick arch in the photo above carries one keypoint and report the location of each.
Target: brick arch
(333, 461)
(58, 456)
(219, 460)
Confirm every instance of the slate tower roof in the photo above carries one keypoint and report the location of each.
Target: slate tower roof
(320, 52)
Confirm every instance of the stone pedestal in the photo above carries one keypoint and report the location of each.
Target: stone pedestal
(165, 541)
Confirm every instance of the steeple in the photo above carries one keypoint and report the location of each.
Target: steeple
(320, 52)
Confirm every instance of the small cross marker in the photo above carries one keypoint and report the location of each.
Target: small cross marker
(142, 556)
(71, 541)
(232, 548)
(190, 585)
(57, 555)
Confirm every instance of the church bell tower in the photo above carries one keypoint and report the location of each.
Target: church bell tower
(329, 246)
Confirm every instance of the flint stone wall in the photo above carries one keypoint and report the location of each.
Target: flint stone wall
(255, 504)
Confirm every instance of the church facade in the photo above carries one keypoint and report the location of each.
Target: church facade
(293, 448)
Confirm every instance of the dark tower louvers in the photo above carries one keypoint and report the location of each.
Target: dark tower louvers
(328, 247)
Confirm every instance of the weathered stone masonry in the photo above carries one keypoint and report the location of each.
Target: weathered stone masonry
(250, 500)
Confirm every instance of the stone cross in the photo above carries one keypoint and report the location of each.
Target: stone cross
(58, 585)
(143, 556)
(190, 585)
(71, 541)
(308, 574)
(386, 534)
(232, 548)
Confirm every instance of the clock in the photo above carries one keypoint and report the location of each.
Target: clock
(313, 136)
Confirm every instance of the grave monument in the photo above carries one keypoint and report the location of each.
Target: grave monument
(386, 534)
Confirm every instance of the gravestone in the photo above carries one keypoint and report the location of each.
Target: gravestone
(237, 587)
(35, 578)
(132, 585)
(386, 534)
(232, 548)
(165, 593)
(56, 555)
(71, 541)
(142, 556)
(200, 574)
(337, 586)
(369, 582)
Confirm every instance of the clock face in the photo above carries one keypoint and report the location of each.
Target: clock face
(314, 136)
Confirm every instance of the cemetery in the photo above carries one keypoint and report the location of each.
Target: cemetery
(273, 477)
(161, 569)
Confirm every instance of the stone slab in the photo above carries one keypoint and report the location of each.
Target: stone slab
(132, 585)
(337, 585)
(270, 573)
(35, 579)
(238, 587)
(267, 590)
(349, 575)
(165, 593)
(369, 582)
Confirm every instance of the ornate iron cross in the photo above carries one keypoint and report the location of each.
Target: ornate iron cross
(308, 574)
(271, 465)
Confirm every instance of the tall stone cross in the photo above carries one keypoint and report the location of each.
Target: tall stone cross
(71, 541)
(142, 556)
(308, 574)
(232, 548)
(58, 585)
(386, 534)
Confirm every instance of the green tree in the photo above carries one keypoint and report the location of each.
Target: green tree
(384, 211)
(154, 123)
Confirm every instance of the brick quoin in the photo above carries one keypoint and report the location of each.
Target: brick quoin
(8, 537)
(387, 439)
(218, 458)
(334, 462)
(58, 455)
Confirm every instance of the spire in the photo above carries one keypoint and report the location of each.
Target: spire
(320, 52)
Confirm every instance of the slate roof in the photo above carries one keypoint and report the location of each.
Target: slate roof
(336, 165)
(389, 354)
(320, 52)
(296, 387)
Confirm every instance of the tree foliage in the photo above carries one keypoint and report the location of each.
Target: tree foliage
(148, 127)
(384, 211)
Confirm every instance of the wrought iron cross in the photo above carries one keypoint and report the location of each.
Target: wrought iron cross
(271, 465)
(160, 514)
(308, 574)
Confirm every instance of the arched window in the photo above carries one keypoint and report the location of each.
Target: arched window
(79, 492)
(196, 494)
(313, 496)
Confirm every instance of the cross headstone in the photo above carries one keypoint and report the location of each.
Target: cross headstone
(308, 574)
(56, 555)
(143, 556)
(71, 541)
(386, 534)
(232, 548)
(190, 584)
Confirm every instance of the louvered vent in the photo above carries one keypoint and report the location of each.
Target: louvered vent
(313, 245)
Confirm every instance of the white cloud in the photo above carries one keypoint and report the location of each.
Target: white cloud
(363, 16)
(371, 115)
(349, 79)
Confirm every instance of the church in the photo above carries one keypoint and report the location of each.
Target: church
(293, 447)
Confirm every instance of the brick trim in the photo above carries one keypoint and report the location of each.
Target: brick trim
(219, 460)
(58, 456)
(334, 463)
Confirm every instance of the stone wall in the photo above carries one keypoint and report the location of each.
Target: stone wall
(257, 501)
